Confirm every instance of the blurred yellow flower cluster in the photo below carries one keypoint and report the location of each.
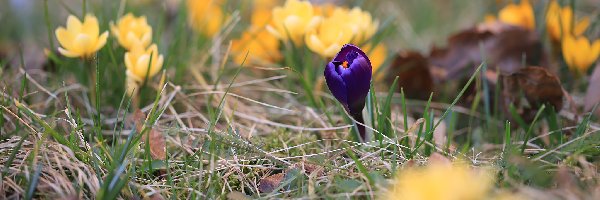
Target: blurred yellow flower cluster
(441, 181)
(256, 41)
(205, 16)
(559, 21)
(80, 39)
(142, 62)
(324, 29)
(293, 20)
(578, 51)
(341, 27)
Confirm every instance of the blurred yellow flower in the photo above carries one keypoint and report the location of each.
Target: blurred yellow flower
(328, 37)
(519, 15)
(80, 39)
(359, 22)
(131, 31)
(559, 20)
(377, 57)
(579, 53)
(260, 45)
(325, 9)
(139, 66)
(293, 20)
(260, 17)
(205, 16)
(441, 182)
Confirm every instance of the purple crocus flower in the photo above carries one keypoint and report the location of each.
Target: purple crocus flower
(348, 77)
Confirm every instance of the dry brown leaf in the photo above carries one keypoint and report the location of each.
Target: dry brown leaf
(592, 95)
(156, 140)
(269, 183)
(136, 120)
(309, 168)
(503, 46)
(157, 145)
(414, 75)
(539, 87)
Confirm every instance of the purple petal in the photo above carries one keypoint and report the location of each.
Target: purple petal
(336, 83)
(347, 48)
(358, 82)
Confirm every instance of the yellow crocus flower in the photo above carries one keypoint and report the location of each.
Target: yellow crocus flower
(559, 21)
(519, 15)
(293, 20)
(329, 37)
(440, 181)
(139, 66)
(205, 16)
(131, 31)
(579, 53)
(80, 39)
(260, 45)
(359, 22)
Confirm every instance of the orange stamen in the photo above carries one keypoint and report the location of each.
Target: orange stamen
(345, 64)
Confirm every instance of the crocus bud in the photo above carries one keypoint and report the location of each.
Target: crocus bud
(348, 77)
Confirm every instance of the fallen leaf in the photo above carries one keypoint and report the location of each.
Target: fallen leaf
(269, 183)
(503, 46)
(414, 75)
(136, 120)
(537, 84)
(309, 168)
(592, 95)
(156, 140)
(157, 145)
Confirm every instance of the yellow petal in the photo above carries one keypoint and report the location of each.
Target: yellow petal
(567, 47)
(141, 66)
(68, 53)
(73, 24)
(146, 38)
(101, 41)
(316, 45)
(64, 37)
(81, 44)
(90, 26)
(582, 26)
(129, 61)
(156, 65)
